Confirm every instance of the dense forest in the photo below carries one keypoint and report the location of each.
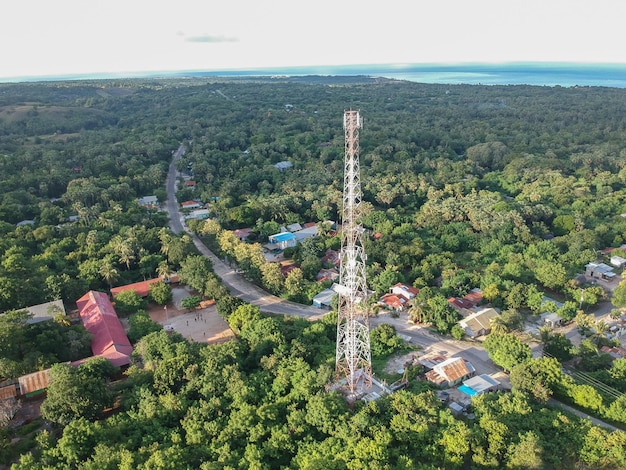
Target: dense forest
(512, 189)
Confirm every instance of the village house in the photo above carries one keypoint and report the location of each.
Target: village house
(325, 298)
(450, 372)
(190, 205)
(327, 275)
(142, 288)
(468, 301)
(618, 261)
(199, 214)
(395, 302)
(331, 257)
(402, 289)
(599, 271)
(150, 202)
(478, 323)
(242, 233)
(100, 319)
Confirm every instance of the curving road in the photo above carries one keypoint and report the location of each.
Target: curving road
(235, 283)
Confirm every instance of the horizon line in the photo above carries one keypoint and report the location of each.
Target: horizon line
(273, 70)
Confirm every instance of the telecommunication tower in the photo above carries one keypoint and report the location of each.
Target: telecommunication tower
(354, 359)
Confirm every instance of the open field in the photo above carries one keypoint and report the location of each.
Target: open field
(202, 325)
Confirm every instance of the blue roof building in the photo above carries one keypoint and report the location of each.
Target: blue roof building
(283, 240)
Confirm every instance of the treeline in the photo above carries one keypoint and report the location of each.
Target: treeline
(262, 402)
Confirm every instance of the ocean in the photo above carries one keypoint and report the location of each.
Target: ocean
(538, 74)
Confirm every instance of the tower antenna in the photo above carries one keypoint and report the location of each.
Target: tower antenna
(354, 358)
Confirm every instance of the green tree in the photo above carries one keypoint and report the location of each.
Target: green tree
(213, 288)
(295, 284)
(539, 377)
(141, 325)
(129, 301)
(75, 392)
(506, 350)
(108, 271)
(191, 302)
(273, 279)
(526, 453)
(619, 295)
(457, 332)
(194, 271)
(160, 293)
(384, 340)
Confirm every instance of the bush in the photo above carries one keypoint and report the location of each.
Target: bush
(384, 341)
(457, 332)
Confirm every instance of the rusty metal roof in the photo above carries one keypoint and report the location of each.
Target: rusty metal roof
(35, 381)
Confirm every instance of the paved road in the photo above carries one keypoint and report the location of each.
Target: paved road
(236, 284)
(176, 223)
(431, 342)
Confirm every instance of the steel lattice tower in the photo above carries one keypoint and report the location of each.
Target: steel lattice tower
(353, 359)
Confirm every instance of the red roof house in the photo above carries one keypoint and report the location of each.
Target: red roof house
(142, 288)
(402, 289)
(190, 204)
(395, 302)
(100, 319)
(469, 301)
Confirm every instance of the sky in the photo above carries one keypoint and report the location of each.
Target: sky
(57, 37)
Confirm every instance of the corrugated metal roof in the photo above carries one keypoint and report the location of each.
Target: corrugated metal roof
(8, 392)
(35, 381)
(453, 369)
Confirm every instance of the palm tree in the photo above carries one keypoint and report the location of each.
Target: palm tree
(163, 270)
(545, 335)
(416, 311)
(498, 325)
(109, 273)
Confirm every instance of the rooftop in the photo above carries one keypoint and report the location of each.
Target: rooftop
(100, 319)
(142, 288)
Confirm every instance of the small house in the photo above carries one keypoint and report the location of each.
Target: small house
(305, 233)
(142, 288)
(478, 323)
(242, 233)
(395, 302)
(599, 271)
(618, 261)
(190, 205)
(325, 298)
(402, 289)
(450, 372)
(468, 301)
(551, 319)
(481, 384)
(199, 214)
(148, 201)
(282, 166)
